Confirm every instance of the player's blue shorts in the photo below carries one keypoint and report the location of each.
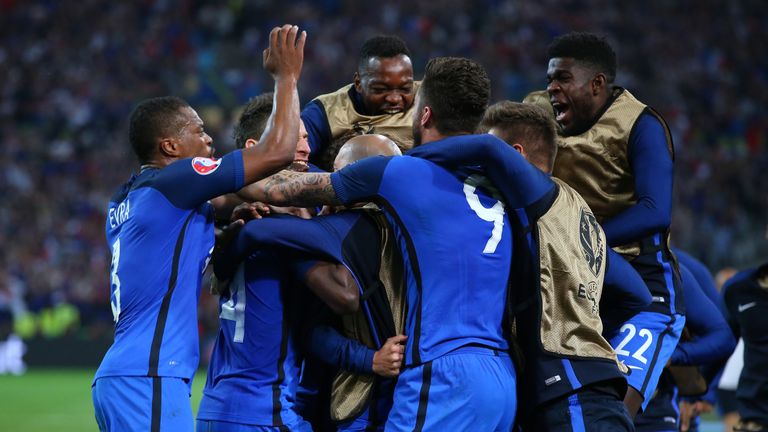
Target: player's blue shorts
(645, 343)
(585, 410)
(222, 426)
(470, 389)
(661, 415)
(132, 403)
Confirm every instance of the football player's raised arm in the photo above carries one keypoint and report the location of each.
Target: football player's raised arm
(283, 59)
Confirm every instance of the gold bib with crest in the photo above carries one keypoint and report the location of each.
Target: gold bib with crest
(345, 122)
(572, 261)
(596, 163)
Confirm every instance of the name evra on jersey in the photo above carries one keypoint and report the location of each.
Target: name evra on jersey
(119, 214)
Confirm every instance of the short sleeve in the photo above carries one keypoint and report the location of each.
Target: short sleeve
(361, 180)
(187, 183)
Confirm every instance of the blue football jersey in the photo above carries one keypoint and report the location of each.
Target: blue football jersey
(455, 239)
(160, 230)
(254, 369)
(254, 366)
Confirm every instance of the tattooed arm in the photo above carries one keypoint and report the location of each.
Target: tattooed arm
(293, 189)
(359, 182)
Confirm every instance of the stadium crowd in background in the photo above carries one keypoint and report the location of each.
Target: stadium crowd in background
(67, 90)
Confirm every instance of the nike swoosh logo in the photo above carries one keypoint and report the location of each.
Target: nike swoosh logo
(634, 367)
(746, 306)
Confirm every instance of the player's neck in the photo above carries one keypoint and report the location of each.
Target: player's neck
(432, 134)
(154, 164)
(157, 162)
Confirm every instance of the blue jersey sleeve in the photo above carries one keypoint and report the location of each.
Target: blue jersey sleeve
(520, 183)
(713, 340)
(624, 294)
(318, 130)
(187, 183)
(327, 344)
(703, 277)
(651, 163)
(361, 180)
(320, 237)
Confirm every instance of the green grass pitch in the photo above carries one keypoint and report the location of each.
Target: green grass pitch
(45, 400)
(59, 400)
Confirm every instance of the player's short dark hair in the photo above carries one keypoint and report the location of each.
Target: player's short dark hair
(527, 124)
(253, 119)
(153, 119)
(383, 46)
(457, 90)
(586, 48)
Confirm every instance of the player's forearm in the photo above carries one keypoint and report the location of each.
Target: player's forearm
(328, 345)
(518, 181)
(289, 188)
(641, 220)
(712, 347)
(277, 145)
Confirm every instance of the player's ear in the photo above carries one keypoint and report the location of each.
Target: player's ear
(426, 116)
(520, 149)
(250, 142)
(599, 83)
(169, 147)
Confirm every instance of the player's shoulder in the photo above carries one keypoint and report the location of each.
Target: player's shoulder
(179, 172)
(740, 281)
(326, 98)
(122, 191)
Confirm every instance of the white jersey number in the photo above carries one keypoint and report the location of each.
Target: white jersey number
(234, 308)
(493, 214)
(115, 281)
(631, 331)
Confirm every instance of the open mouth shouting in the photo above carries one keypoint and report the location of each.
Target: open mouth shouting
(562, 111)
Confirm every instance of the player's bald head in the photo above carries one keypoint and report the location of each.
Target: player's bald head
(363, 146)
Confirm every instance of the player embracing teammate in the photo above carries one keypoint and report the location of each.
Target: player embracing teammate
(544, 241)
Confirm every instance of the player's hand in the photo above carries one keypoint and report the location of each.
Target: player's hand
(249, 211)
(285, 55)
(690, 410)
(388, 360)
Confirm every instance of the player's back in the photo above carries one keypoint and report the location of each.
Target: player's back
(253, 372)
(157, 250)
(160, 230)
(455, 238)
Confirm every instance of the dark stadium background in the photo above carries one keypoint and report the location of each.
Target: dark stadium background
(70, 72)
